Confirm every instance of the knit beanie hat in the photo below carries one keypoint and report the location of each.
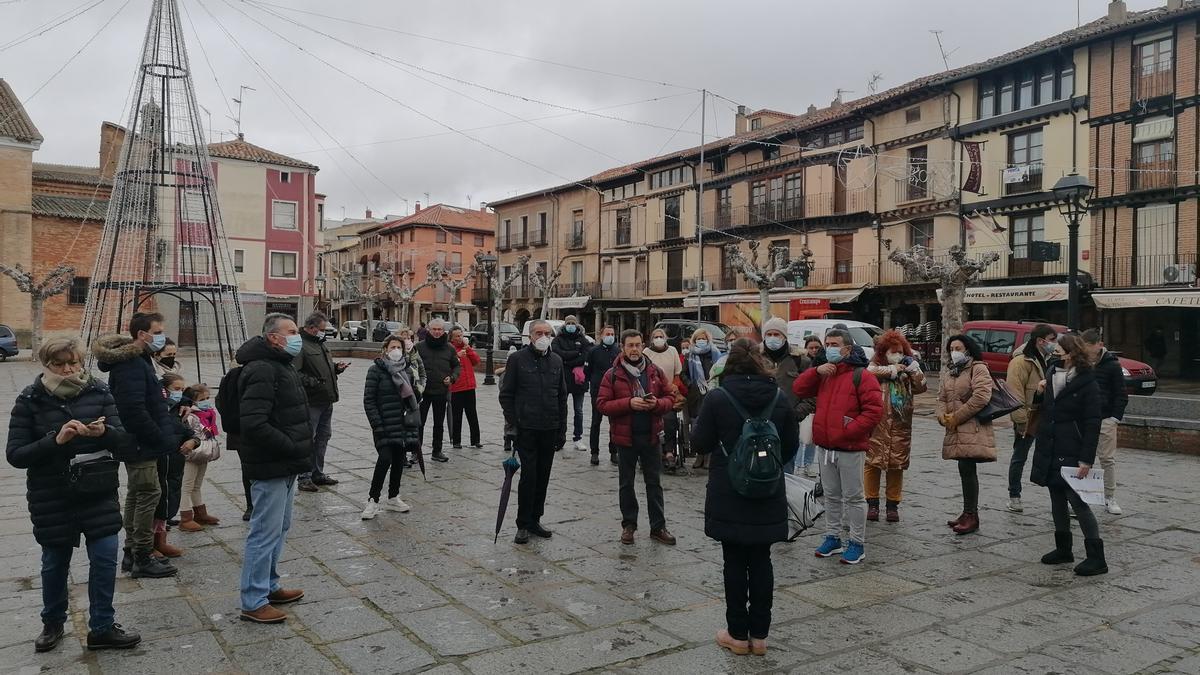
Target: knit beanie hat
(775, 323)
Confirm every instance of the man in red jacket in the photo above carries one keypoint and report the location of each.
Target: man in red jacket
(635, 395)
(849, 405)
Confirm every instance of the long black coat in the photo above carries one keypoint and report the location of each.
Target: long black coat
(599, 359)
(138, 393)
(1111, 379)
(533, 392)
(58, 513)
(573, 350)
(441, 361)
(1069, 427)
(728, 516)
(276, 438)
(394, 421)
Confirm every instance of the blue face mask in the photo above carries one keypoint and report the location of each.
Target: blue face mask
(608, 340)
(701, 347)
(774, 343)
(294, 344)
(204, 405)
(833, 354)
(570, 328)
(157, 342)
(175, 396)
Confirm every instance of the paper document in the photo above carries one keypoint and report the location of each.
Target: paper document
(1090, 488)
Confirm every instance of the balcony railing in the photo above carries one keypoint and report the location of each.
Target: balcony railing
(1155, 172)
(1021, 178)
(622, 290)
(1016, 265)
(582, 288)
(824, 204)
(502, 242)
(1143, 271)
(1153, 80)
(912, 188)
(574, 240)
(518, 240)
(537, 239)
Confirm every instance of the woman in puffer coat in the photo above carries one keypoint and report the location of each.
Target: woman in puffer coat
(58, 423)
(745, 527)
(965, 390)
(390, 400)
(1067, 436)
(900, 379)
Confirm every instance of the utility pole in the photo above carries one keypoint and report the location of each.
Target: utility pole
(700, 210)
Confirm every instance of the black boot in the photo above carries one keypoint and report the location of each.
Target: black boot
(1062, 550)
(115, 637)
(127, 561)
(52, 634)
(1094, 563)
(147, 566)
(595, 458)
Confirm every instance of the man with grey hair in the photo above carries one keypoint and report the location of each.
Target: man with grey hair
(276, 447)
(319, 374)
(442, 369)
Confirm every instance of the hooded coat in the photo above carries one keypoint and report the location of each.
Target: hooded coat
(276, 439)
(891, 442)
(139, 397)
(963, 396)
(317, 371)
(845, 416)
(573, 350)
(1070, 427)
(1024, 373)
(728, 516)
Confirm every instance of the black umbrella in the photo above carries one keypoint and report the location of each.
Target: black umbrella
(511, 465)
(420, 454)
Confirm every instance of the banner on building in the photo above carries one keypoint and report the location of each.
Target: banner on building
(975, 175)
(995, 295)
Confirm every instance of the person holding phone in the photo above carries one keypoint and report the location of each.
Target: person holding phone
(319, 373)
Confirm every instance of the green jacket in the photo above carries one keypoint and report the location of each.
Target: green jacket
(317, 372)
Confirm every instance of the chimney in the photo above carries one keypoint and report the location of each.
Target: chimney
(368, 214)
(241, 136)
(1174, 5)
(740, 123)
(812, 108)
(418, 209)
(1117, 11)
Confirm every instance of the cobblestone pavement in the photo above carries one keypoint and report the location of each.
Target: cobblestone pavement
(429, 591)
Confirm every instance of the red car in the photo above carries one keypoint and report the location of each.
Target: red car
(1000, 338)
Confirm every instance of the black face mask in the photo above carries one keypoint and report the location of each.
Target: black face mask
(168, 361)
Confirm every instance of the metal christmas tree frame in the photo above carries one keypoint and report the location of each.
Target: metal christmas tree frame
(164, 247)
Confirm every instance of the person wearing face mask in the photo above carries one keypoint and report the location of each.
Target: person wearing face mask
(815, 351)
(171, 466)
(533, 396)
(901, 379)
(599, 359)
(571, 345)
(128, 360)
(442, 368)
(698, 368)
(201, 420)
(1025, 370)
(390, 401)
(785, 368)
(964, 391)
(58, 422)
(849, 407)
(319, 373)
(1068, 436)
(1113, 399)
(167, 359)
(666, 358)
(276, 446)
(462, 392)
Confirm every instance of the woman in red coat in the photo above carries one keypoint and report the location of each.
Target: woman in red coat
(462, 392)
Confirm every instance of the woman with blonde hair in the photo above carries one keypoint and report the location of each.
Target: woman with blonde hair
(696, 371)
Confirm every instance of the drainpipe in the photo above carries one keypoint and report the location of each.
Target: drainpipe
(875, 208)
(962, 235)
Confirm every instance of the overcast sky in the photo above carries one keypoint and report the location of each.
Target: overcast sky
(781, 54)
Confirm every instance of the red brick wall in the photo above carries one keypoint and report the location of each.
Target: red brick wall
(1121, 152)
(1122, 69)
(54, 241)
(1186, 227)
(1100, 69)
(1185, 59)
(1123, 246)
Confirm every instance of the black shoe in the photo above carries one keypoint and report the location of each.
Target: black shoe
(1094, 563)
(246, 515)
(115, 637)
(307, 485)
(1062, 550)
(127, 561)
(324, 480)
(612, 457)
(52, 634)
(477, 446)
(149, 567)
(537, 530)
(522, 537)
(456, 446)
(595, 459)
(439, 457)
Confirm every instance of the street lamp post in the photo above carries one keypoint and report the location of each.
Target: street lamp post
(1072, 192)
(489, 263)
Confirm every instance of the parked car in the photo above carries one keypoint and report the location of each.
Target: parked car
(678, 330)
(510, 335)
(350, 330)
(381, 329)
(999, 339)
(556, 324)
(331, 332)
(8, 342)
(862, 334)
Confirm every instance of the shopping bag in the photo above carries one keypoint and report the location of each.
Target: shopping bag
(806, 430)
(803, 508)
(1090, 488)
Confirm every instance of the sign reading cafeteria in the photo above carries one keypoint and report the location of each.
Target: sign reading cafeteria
(1145, 299)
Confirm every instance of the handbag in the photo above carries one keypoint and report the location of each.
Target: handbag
(1002, 403)
(93, 474)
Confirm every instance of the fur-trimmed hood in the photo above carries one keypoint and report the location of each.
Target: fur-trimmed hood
(112, 349)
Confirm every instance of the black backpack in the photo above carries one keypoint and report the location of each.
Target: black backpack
(228, 400)
(756, 464)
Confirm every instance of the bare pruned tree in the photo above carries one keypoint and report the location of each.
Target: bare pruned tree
(499, 286)
(403, 292)
(545, 284)
(765, 276)
(55, 282)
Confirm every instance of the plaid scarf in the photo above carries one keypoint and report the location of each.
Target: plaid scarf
(636, 371)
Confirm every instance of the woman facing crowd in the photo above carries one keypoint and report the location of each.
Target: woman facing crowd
(900, 379)
(696, 371)
(966, 389)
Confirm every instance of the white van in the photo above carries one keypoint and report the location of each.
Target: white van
(556, 324)
(863, 334)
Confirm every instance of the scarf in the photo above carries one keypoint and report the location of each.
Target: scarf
(1061, 378)
(696, 370)
(399, 372)
(636, 371)
(208, 419)
(65, 387)
(956, 369)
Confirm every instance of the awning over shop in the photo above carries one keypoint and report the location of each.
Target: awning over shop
(995, 295)
(1137, 299)
(570, 302)
(836, 297)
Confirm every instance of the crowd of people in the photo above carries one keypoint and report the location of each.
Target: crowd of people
(750, 416)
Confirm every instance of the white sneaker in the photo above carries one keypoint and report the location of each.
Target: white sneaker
(371, 509)
(394, 504)
(1014, 505)
(811, 471)
(1112, 507)
(581, 445)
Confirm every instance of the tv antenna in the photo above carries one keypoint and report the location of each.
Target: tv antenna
(237, 121)
(873, 83)
(937, 34)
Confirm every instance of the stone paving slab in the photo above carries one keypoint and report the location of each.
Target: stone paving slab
(429, 591)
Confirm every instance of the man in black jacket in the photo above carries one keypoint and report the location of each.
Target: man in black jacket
(442, 368)
(1113, 399)
(571, 345)
(533, 395)
(276, 447)
(319, 374)
(143, 410)
(599, 360)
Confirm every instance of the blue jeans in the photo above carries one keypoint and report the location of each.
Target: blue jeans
(320, 418)
(805, 456)
(102, 579)
(264, 543)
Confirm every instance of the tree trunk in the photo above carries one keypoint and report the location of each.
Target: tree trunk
(764, 306)
(545, 305)
(36, 305)
(952, 318)
(495, 317)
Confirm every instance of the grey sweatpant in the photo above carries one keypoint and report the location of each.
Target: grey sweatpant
(842, 481)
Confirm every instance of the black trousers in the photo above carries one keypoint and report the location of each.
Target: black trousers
(170, 480)
(463, 402)
(390, 457)
(1060, 495)
(594, 435)
(536, 451)
(627, 460)
(438, 403)
(749, 585)
(1016, 465)
(970, 484)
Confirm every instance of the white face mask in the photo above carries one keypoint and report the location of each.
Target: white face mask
(894, 357)
(958, 357)
(541, 344)
(395, 354)
(660, 342)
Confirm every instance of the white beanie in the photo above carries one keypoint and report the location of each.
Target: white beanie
(775, 323)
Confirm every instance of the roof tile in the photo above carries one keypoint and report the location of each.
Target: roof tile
(239, 148)
(58, 206)
(14, 121)
(445, 216)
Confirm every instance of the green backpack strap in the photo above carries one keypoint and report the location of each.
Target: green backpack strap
(767, 412)
(858, 371)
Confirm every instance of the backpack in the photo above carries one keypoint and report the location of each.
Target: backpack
(756, 463)
(228, 400)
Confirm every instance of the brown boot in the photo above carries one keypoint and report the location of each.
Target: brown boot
(954, 523)
(873, 509)
(188, 524)
(161, 545)
(264, 614)
(969, 524)
(202, 517)
(627, 534)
